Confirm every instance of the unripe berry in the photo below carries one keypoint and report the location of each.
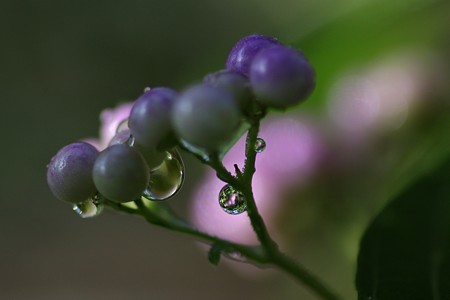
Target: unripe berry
(242, 54)
(120, 173)
(234, 82)
(206, 116)
(149, 119)
(69, 173)
(281, 77)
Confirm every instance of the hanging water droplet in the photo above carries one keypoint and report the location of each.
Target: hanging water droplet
(123, 125)
(89, 208)
(166, 179)
(236, 256)
(231, 200)
(260, 145)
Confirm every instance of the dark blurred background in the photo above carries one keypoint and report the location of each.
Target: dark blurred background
(62, 62)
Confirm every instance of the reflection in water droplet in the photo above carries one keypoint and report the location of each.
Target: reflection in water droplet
(123, 125)
(236, 256)
(166, 179)
(89, 208)
(260, 145)
(147, 89)
(231, 200)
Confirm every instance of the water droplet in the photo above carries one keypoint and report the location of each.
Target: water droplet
(147, 89)
(260, 145)
(166, 179)
(123, 125)
(236, 256)
(231, 200)
(89, 208)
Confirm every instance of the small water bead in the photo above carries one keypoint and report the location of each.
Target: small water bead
(166, 179)
(147, 89)
(89, 208)
(236, 256)
(260, 145)
(231, 200)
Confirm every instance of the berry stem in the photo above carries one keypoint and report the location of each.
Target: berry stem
(162, 216)
(303, 275)
(246, 188)
(243, 182)
(267, 253)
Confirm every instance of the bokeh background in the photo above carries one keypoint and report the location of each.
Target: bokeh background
(380, 106)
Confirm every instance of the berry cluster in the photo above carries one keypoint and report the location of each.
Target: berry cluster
(260, 73)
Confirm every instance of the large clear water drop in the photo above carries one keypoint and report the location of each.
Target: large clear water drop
(260, 145)
(231, 200)
(166, 179)
(89, 208)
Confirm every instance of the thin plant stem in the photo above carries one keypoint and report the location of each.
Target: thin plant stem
(267, 253)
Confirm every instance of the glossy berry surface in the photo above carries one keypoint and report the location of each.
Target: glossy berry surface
(206, 116)
(235, 83)
(281, 77)
(69, 173)
(149, 119)
(120, 173)
(243, 53)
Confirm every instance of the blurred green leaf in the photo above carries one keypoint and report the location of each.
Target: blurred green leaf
(362, 35)
(405, 252)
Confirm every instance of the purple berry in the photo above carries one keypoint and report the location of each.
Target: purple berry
(281, 77)
(242, 54)
(149, 119)
(235, 83)
(206, 116)
(120, 173)
(69, 173)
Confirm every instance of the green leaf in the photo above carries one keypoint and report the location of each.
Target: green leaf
(214, 254)
(405, 252)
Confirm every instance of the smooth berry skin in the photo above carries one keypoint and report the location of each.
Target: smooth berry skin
(281, 77)
(206, 116)
(243, 53)
(120, 173)
(235, 83)
(69, 173)
(149, 119)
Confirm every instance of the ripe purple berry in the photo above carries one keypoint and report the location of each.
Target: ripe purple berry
(206, 116)
(242, 54)
(69, 173)
(281, 77)
(120, 173)
(149, 119)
